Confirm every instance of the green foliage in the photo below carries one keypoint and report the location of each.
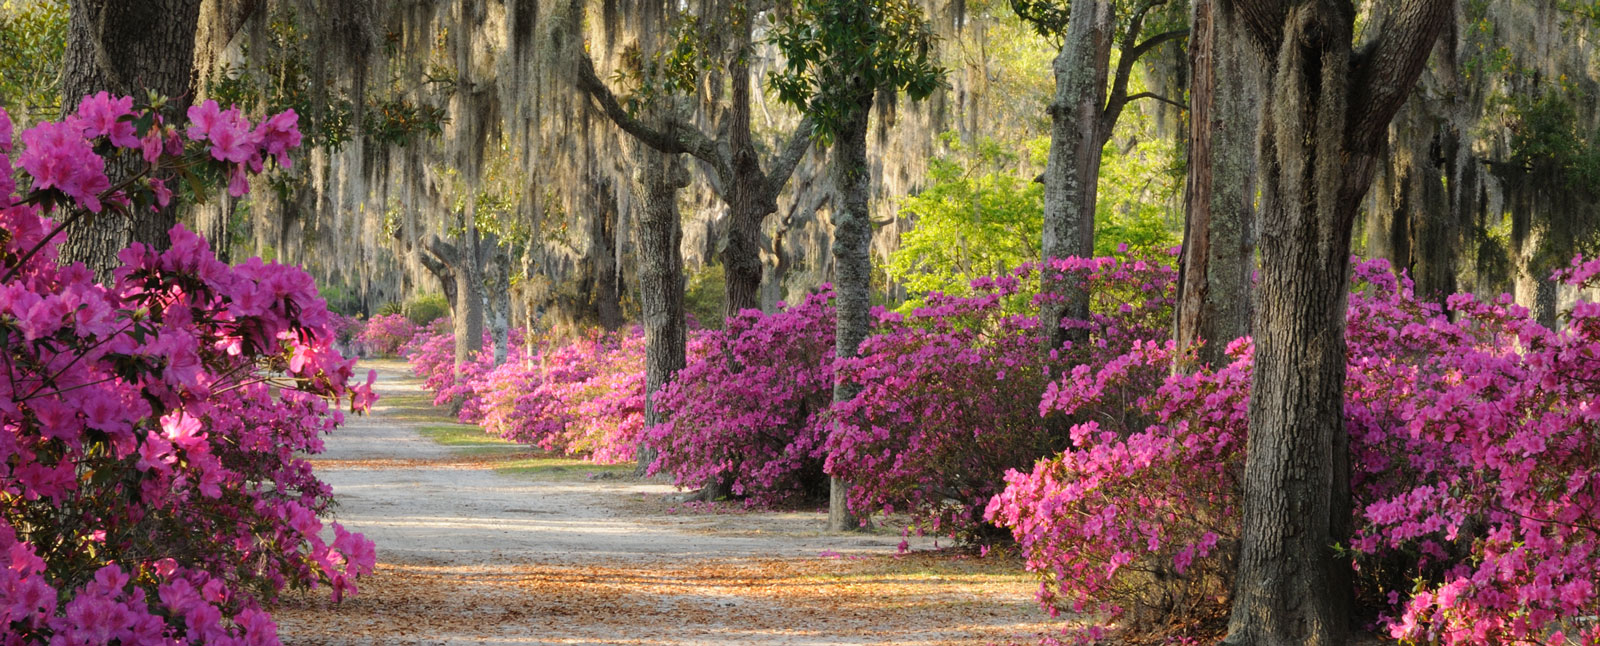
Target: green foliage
(677, 68)
(422, 309)
(340, 299)
(839, 52)
(389, 309)
(703, 296)
(1137, 186)
(33, 39)
(1548, 142)
(979, 216)
(1049, 17)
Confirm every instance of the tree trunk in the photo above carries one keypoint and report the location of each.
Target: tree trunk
(852, 262)
(1072, 172)
(468, 312)
(741, 251)
(658, 179)
(496, 265)
(126, 48)
(1219, 238)
(1326, 114)
(608, 297)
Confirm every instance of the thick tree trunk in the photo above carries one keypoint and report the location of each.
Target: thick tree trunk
(126, 48)
(658, 179)
(1072, 172)
(1327, 111)
(1296, 476)
(1219, 239)
(852, 263)
(741, 253)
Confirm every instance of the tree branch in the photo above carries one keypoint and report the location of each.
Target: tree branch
(679, 138)
(784, 164)
(1130, 55)
(1152, 95)
(439, 256)
(1385, 70)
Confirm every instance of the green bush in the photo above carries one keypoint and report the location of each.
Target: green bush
(704, 295)
(422, 309)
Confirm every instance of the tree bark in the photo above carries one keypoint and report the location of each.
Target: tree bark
(659, 177)
(608, 276)
(126, 48)
(747, 201)
(1326, 115)
(852, 263)
(1072, 171)
(496, 265)
(456, 265)
(1219, 235)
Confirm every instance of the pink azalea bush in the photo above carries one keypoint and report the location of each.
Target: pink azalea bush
(948, 399)
(750, 411)
(582, 396)
(152, 461)
(1473, 446)
(384, 335)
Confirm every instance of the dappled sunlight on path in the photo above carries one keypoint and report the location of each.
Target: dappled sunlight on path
(473, 553)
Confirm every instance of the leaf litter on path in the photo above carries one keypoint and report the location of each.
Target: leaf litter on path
(471, 553)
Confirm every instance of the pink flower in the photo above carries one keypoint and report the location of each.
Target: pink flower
(57, 156)
(202, 119)
(100, 114)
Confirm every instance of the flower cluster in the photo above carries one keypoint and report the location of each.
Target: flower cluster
(949, 394)
(155, 428)
(750, 411)
(384, 335)
(582, 396)
(1473, 449)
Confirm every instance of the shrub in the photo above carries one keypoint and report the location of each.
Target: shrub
(949, 394)
(426, 308)
(155, 429)
(1473, 452)
(384, 335)
(582, 396)
(750, 409)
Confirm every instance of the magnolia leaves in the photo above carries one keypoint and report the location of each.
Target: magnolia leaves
(840, 52)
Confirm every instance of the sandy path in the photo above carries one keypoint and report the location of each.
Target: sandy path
(471, 556)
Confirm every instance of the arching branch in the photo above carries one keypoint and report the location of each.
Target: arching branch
(784, 164)
(675, 139)
(1119, 98)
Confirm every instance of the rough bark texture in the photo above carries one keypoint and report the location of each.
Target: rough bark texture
(1326, 114)
(1219, 234)
(126, 48)
(1072, 172)
(852, 259)
(660, 236)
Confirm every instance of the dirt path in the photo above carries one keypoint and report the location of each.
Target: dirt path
(470, 553)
